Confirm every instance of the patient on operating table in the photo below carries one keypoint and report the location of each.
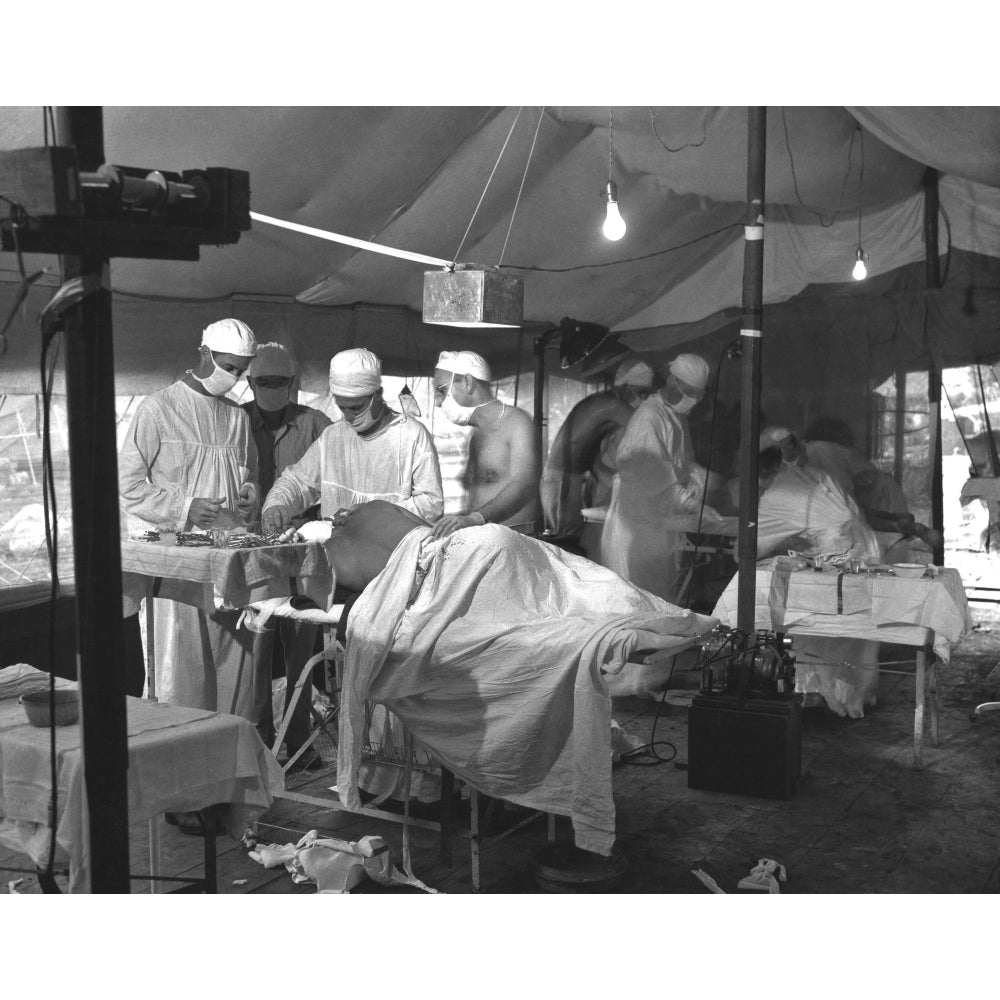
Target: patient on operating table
(493, 649)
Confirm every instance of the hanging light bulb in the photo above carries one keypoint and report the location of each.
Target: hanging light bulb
(614, 224)
(860, 272)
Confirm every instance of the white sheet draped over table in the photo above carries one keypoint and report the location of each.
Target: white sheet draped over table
(497, 666)
(178, 759)
(838, 605)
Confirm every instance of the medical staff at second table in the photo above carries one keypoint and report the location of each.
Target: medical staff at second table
(658, 481)
(374, 453)
(283, 430)
(581, 464)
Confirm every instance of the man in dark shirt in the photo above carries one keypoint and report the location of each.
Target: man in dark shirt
(283, 430)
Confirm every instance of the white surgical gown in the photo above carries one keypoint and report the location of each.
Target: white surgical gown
(658, 481)
(398, 464)
(182, 444)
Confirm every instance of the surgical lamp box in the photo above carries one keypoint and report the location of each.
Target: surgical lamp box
(43, 180)
(750, 749)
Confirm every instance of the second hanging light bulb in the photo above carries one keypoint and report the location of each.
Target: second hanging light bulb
(614, 224)
(860, 271)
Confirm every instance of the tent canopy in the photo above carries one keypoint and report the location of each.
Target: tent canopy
(521, 188)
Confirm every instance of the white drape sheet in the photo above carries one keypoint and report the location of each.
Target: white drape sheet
(497, 666)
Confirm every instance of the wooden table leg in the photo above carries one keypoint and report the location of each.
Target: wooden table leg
(210, 823)
(447, 791)
(150, 642)
(154, 850)
(932, 696)
(474, 836)
(918, 712)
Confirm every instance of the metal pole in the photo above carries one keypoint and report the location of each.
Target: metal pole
(540, 416)
(750, 339)
(90, 405)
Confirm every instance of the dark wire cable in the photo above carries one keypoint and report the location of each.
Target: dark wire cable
(46, 878)
(704, 490)
(843, 186)
(627, 260)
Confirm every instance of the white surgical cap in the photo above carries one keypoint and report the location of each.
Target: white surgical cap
(271, 359)
(465, 363)
(634, 371)
(230, 336)
(771, 437)
(355, 372)
(690, 368)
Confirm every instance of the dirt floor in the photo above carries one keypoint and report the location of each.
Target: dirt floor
(861, 820)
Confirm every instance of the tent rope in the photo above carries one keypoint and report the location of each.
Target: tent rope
(487, 187)
(524, 177)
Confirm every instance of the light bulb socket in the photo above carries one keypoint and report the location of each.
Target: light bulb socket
(610, 192)
(860, 255)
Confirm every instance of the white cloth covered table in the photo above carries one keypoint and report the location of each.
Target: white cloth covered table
(491, 648)
(836, 604)
(179, 759)
(210, 579)
(840, 617)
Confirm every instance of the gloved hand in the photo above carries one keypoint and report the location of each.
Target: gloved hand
(275, 519)
(454, 522)
(204, 511)
(246, 502)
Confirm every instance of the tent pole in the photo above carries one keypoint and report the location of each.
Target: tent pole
(750, 339)
(90, 409)
(934, 373)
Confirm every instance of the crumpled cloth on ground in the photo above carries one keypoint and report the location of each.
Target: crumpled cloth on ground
(335, 866)
(497, 667)
(764, 877)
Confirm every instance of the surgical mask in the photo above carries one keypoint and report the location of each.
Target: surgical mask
(219, 382)
(365, 420)
(685, 404)
(630, 396)
(455, 411)
(271, 400)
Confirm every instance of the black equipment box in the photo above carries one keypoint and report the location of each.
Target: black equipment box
(753, 749)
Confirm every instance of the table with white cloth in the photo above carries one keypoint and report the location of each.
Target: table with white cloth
(930, 614)
(179, 759)
(212, 578)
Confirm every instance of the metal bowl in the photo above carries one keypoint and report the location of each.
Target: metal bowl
(909, 571)
(36, 707)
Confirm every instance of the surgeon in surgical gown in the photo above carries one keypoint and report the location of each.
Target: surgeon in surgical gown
(189, 461)
(658, 484)
(373, 453)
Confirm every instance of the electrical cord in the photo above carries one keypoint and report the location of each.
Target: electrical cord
(626, 260)
(843, 187)
(46, 878)
(704, 490)
(649, 749)
(687, 145)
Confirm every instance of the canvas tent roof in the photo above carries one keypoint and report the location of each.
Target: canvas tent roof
(411, 178)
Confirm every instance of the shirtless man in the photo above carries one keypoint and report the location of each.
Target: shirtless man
(503, 470)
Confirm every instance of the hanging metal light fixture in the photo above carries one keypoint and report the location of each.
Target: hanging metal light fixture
(474, 295)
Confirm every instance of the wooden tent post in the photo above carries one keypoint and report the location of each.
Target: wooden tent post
(934, 373)
(90, 407)
(750, 339)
